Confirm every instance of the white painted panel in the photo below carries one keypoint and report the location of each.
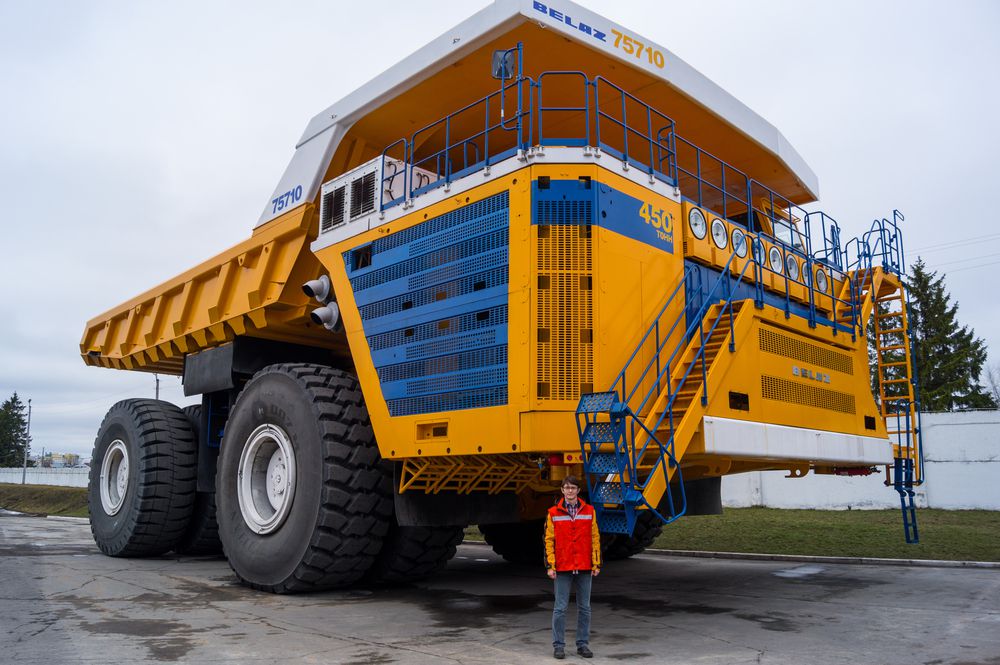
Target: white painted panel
(962, 454)
(741, 438)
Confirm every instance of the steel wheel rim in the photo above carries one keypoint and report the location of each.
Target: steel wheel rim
(266, 480)
(114, 477)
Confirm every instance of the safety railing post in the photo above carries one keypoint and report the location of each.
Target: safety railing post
(704, 367)
(649, 136)
(624, 130)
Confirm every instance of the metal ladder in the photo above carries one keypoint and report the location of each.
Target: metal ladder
(877, 293)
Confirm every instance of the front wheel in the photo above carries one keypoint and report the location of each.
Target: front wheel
(303, 503)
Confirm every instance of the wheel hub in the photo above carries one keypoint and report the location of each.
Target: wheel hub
(114, 477)
(266, 483)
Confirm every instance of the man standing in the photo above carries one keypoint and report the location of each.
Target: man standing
(572, 554)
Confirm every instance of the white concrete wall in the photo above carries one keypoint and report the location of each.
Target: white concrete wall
(962, 468)
(961, 453)
(65, 477)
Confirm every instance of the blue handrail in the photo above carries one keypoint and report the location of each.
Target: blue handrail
(658, 150)
(585, 109)
(697, 322)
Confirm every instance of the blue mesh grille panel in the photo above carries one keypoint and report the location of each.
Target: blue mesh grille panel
(433, 304)
(435, 294)
(466, 399)
(431, 260)
(474, 212)
(496, 355)
(488, 318)
(564, 212)
(455, 270)
(457, 343)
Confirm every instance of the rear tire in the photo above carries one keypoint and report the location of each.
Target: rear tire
(143, 477)
(411, 553)
(517, 542)
(648, 528)
(201, 538)
(303, 500)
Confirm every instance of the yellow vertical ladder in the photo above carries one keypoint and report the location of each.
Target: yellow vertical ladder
(894, 368)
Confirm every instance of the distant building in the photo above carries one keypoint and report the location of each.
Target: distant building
(59, 460)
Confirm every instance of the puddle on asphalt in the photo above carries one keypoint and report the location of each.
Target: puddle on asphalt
(799, 572)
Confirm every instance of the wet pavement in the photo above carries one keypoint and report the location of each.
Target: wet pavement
(61, 601)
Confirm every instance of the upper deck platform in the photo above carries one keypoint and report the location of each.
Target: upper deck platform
(454, 70)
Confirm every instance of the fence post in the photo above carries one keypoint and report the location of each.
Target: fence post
(27, 445)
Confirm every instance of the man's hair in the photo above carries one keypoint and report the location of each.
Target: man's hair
(570, 480)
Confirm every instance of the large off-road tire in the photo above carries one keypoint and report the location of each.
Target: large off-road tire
(143, 475)
(201, 538)
(303, 501)
(410, 553)
(517, 542)
(647, 528)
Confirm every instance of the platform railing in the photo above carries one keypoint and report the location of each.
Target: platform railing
(562, 109)
(652, 130)
(602, 115)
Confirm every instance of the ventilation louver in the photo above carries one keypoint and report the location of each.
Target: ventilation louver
(347, 200)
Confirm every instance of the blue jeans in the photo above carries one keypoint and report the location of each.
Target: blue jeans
(563, 582)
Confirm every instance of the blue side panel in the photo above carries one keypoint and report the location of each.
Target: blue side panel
(702, 278)
(563, 202)
(620, 213)
(433, 305)
(584, 202)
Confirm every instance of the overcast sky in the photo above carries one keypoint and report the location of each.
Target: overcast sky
(138, 139)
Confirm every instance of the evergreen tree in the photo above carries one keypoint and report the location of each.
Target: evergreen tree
(13, 432)
(949, 357)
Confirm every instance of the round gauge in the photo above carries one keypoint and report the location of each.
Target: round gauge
(758, 251)
(774, 256)
(696, 220)
(792, 266)
(806, 275)
(719, 234)
(821, 282)
(740, 243)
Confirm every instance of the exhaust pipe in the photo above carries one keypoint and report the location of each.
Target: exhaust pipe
(327, 316)
(320, 289)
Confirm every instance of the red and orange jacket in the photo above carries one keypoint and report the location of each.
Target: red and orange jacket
(572, 543)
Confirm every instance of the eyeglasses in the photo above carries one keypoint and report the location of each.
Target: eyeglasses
(570, 488)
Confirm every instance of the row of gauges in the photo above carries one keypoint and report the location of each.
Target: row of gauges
(721, 238)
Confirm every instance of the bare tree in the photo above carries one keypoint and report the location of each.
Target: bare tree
(993, 381)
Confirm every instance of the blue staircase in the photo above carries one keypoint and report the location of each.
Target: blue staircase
(633, 435)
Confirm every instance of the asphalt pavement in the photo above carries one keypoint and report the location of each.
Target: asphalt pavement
(61, 601)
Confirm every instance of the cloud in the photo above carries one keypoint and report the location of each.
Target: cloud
(138, 139)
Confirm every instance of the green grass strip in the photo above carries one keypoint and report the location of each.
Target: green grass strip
(44, 499)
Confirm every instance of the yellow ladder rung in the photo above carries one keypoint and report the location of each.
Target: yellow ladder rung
(898, 296)
(891, 331)
(894, 347)
(893, 364)
(884, 381)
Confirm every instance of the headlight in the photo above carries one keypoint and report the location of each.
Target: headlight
(740, 242)
(792, 266)
(774, 256)
(697, 223)
(821, 281)
(719, 235)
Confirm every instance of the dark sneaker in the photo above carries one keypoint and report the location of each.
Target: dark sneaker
(585, 652)
(558, 653)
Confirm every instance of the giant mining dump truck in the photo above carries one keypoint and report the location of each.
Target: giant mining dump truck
(540, 245)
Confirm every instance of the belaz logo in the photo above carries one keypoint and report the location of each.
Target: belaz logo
(809, 374)
(568, 20)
